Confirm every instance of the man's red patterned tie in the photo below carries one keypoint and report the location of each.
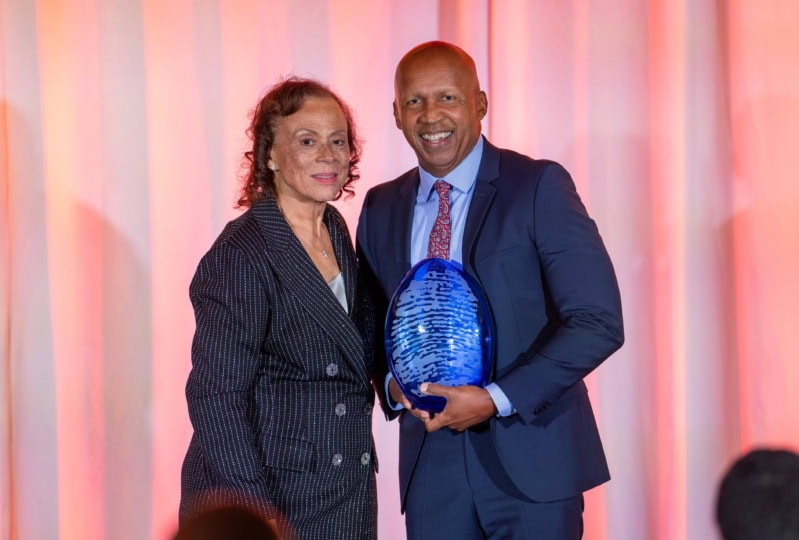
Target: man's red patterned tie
(441, 233)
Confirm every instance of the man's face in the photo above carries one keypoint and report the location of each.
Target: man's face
(438, 106)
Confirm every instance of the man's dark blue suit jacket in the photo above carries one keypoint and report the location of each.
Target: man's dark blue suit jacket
(555, 303)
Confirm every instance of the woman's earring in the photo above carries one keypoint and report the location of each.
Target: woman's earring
(272, 166)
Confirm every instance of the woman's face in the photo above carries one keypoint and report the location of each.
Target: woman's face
(311, 152)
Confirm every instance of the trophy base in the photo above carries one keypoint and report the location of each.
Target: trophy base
(433, 404)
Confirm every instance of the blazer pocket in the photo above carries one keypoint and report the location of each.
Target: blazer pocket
(290, 454)
(498, 251)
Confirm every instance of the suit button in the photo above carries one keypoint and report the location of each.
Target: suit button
(341, 409)
(367, 409)
(337, 460)
(332, 369)
(365, 458)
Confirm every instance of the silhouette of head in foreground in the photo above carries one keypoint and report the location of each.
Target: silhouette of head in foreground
(758, 497)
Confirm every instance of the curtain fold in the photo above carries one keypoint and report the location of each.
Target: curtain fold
(122, 130)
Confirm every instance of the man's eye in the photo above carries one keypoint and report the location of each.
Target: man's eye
(339, 142)
(449, 98)
(413, 101)
(306, 142)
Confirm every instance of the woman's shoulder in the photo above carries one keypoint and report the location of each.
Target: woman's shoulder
(240, 235)
(239, 228)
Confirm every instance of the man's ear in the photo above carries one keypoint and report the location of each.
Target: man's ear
(396, 114)
(482, 105)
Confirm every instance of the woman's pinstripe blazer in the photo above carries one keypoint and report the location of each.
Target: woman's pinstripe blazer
(280, 392)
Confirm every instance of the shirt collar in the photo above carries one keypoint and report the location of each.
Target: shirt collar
(461, 177)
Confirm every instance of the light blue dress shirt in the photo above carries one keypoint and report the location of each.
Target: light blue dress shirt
(462, 179)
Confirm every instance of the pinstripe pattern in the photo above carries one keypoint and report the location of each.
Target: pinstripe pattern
(279, 394)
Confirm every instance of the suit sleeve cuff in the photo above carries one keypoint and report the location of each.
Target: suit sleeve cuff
(501, 401)
(391, 403)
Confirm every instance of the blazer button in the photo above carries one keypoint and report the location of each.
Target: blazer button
(332, 369)
(365, 458)
(337, 460)
(341, 409)
(367, 409)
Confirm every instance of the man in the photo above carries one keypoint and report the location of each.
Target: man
(758, 496)
(510, 460)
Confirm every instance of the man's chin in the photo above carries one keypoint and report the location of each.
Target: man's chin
(438, 168)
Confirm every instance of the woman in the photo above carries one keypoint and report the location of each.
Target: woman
(280, 393)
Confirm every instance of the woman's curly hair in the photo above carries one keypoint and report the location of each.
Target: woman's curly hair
(284, 99)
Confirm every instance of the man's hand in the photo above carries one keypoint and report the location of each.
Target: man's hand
(397, 395)
(466, 406)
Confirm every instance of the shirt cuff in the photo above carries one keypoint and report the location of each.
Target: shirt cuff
(391, 403)
(501, 401)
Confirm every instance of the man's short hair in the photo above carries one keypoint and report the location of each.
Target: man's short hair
(759, 497)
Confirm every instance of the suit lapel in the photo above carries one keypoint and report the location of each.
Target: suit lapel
(296, 271)
(484, 191)
(400, 220)
(401, 223)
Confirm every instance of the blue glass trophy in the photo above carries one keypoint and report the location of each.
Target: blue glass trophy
(438, 329)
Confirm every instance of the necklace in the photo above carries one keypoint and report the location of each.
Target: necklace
(325, 254)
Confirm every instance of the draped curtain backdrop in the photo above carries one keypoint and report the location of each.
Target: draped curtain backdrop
(121, 136)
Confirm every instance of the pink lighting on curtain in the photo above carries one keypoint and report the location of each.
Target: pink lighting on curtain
(765, 127)
(667, 154)
(121, 137)
(68, 44)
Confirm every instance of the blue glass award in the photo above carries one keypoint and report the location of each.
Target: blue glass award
(438, 329)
